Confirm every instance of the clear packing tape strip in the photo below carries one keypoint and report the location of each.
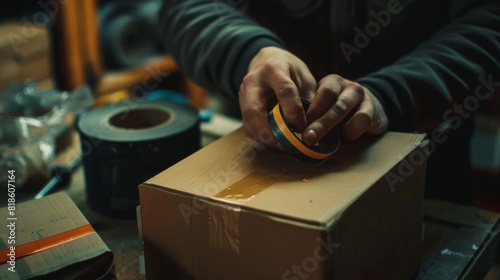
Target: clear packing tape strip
(224, 220)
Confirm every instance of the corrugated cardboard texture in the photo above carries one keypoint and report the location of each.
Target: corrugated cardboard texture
(357, 215)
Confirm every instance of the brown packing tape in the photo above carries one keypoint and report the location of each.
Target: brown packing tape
(223, 228)
(247, 188)
(224, 221)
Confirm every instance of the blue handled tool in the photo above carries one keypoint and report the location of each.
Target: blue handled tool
(60, 178)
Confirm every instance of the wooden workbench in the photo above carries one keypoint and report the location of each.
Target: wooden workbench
(459, 242)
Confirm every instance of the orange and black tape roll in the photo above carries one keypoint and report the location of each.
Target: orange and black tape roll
(294, 145)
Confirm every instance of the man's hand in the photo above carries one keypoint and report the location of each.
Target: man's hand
(340, 100)
(274, 71)
(277, 72)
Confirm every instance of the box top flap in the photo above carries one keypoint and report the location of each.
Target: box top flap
(240, 172)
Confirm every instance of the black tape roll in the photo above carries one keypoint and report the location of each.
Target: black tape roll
(123, 144)
(293, 144)
(128, 33)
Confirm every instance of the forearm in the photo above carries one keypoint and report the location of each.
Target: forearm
(212, 42)
(441, 71)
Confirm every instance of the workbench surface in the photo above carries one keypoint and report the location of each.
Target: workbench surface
(439, 259)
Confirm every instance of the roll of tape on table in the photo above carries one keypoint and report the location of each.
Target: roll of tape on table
(125, 143)
(292, 142)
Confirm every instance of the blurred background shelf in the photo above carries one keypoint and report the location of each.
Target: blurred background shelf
(118, 80)
(107, 44)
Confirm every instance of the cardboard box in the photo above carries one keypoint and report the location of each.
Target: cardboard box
(25, 53)
(49, 238)
(236, 210)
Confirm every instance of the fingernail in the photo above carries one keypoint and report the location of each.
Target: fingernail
(310, 137)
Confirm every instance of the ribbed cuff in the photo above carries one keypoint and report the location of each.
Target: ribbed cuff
(387, 97)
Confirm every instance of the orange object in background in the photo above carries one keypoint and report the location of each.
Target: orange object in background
(111, 98)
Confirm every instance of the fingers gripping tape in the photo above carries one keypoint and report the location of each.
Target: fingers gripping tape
(294, 145)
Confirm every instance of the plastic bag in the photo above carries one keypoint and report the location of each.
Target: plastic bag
(31, 119)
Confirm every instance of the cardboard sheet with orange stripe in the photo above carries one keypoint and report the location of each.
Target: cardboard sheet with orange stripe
(50, 237)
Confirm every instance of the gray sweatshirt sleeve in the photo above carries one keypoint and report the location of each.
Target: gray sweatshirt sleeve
(212, 42)
(442, 72)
